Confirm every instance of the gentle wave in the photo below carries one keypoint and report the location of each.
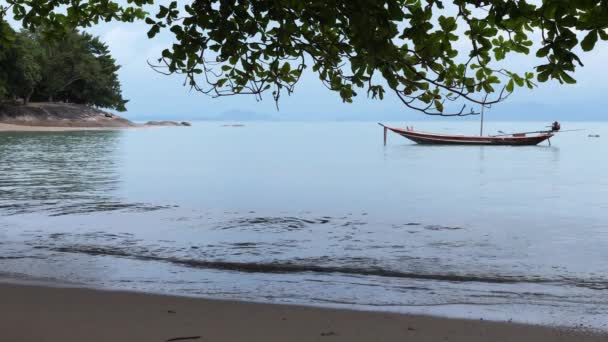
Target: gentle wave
(294, 223)
(290, 267)
(54, 209)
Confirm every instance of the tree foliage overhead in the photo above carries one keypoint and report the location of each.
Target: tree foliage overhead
(73, 67)
(426, 52)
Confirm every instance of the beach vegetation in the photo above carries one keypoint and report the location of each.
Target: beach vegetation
(73, 67)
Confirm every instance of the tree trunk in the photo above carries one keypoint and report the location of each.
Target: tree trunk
(28, 96)
(50, 98)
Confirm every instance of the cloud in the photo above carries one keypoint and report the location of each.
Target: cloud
(124, 41)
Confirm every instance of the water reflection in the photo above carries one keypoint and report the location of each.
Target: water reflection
(61, 173)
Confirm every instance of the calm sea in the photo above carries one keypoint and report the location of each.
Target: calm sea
(319, 214)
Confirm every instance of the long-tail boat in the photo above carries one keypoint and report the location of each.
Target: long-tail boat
(515, 139)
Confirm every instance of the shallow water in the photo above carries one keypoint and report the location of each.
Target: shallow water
(317, 213)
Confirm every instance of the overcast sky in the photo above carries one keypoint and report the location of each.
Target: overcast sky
(155, 95)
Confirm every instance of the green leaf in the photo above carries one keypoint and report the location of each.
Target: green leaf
(544, 76)
(285, 68)
(510, 86)
(544, 51)
(153, 31)
(589, 41)
(567, 78)
(439, 106)
(519, 81)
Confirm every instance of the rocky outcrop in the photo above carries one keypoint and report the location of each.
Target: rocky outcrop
(166, 123)
(49, 114)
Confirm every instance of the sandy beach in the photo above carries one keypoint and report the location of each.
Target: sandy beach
(39, 313)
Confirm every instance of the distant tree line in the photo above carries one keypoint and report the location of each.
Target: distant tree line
(75, 67)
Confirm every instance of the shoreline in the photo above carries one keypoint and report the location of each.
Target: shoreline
(63, 117)
(23, 128)
(63, 312)
(11, 128)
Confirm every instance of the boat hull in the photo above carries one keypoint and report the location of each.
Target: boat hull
(443, 139)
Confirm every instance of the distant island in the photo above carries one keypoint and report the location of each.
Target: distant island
(49, 116)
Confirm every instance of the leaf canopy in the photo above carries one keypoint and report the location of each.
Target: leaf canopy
(426, 52)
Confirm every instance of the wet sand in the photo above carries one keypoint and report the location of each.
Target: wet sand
(40, 313)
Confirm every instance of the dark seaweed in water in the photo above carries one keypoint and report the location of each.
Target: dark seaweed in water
(272, 223)
(100, 207)
(439, 227)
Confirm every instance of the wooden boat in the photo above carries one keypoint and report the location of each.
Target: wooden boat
(516, 139)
